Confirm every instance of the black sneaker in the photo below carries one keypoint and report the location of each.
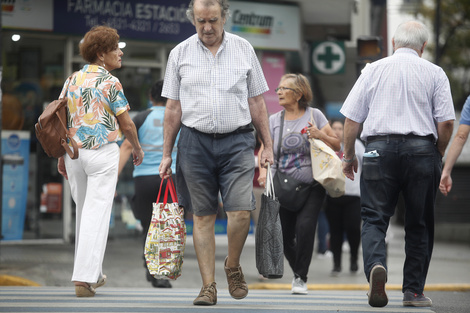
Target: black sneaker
(161, 283)
(377, 279)
(354, 267)
(413, 299)
(158, 283)
(335, 272)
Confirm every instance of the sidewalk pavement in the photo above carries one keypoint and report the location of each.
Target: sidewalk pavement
(50, 266)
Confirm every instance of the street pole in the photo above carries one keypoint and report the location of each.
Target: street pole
(437, 28)
(1, 109)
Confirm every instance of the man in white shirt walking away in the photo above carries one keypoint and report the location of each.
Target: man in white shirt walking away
(406, 106)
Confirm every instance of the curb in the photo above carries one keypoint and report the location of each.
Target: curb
(8, 280)
(430, 287)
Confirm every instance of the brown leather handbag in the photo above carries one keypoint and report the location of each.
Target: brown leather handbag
(52, 132)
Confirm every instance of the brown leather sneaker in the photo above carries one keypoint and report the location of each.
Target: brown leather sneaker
(236, 281)
(207, 296)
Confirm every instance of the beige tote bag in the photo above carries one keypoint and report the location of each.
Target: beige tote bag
(326, 166)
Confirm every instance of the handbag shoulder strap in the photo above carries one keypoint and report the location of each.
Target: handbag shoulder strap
(280, 138)
(312, 120)
(73, 155)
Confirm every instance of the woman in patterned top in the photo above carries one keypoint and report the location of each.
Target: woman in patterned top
(292, 156)
(97, 118)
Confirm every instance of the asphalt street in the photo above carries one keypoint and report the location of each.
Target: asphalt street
(36, 278)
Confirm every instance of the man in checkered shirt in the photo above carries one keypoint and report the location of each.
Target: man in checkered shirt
(214, 85)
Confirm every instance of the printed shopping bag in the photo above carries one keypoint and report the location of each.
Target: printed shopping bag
(268, 238)
(326, 167)
(166, 237)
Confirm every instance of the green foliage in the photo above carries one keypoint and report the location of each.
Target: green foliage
(454, 43)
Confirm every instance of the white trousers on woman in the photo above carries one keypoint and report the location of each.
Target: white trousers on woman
(92, 178)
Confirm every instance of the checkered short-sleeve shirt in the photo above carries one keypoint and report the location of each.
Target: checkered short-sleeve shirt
(214, 90)
(400, 94)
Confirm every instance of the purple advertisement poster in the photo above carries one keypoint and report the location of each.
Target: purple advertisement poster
(274, 66)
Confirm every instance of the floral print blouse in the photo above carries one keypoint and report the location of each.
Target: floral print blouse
(95, 98)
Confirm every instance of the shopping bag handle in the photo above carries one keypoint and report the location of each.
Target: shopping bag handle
(269, 183)
(170, 186)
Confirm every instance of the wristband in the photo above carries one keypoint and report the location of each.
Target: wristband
(349, 160)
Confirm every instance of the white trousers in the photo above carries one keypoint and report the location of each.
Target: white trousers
(92, 178)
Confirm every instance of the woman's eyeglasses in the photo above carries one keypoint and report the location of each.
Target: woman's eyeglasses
(283, 89)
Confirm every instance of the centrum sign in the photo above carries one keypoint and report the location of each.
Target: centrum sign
(276, 28)
(328, 57)
(251, 23)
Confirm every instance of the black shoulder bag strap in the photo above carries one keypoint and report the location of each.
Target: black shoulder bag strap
(280, 139)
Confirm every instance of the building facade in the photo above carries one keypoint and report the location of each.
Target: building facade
(313, 37)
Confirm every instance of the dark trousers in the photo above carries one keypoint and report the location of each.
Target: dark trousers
(298, 232)
(344, 217)
(413, 167)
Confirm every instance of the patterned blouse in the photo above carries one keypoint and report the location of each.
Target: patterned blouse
(95, 98)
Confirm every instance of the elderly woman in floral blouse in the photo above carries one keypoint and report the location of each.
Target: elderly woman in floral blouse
(97, 118)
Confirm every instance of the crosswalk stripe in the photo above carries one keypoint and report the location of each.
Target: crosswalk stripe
(62, 299)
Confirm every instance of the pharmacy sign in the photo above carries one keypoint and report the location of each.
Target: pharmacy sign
(328, 57)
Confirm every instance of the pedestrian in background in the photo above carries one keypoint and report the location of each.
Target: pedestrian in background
(97, 116)
(455, 149)
(214, 85)
(147, 180)
(298, 227)
(344, 213)
(406, 106)
(323, 234)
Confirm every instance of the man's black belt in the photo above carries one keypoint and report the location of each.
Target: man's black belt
(240, 130)
(399, 137)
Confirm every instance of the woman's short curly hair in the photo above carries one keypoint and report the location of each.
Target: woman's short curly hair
(99, 39)
(301, 86)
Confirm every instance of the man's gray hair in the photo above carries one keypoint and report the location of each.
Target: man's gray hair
(411, 34)
(224, 5)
